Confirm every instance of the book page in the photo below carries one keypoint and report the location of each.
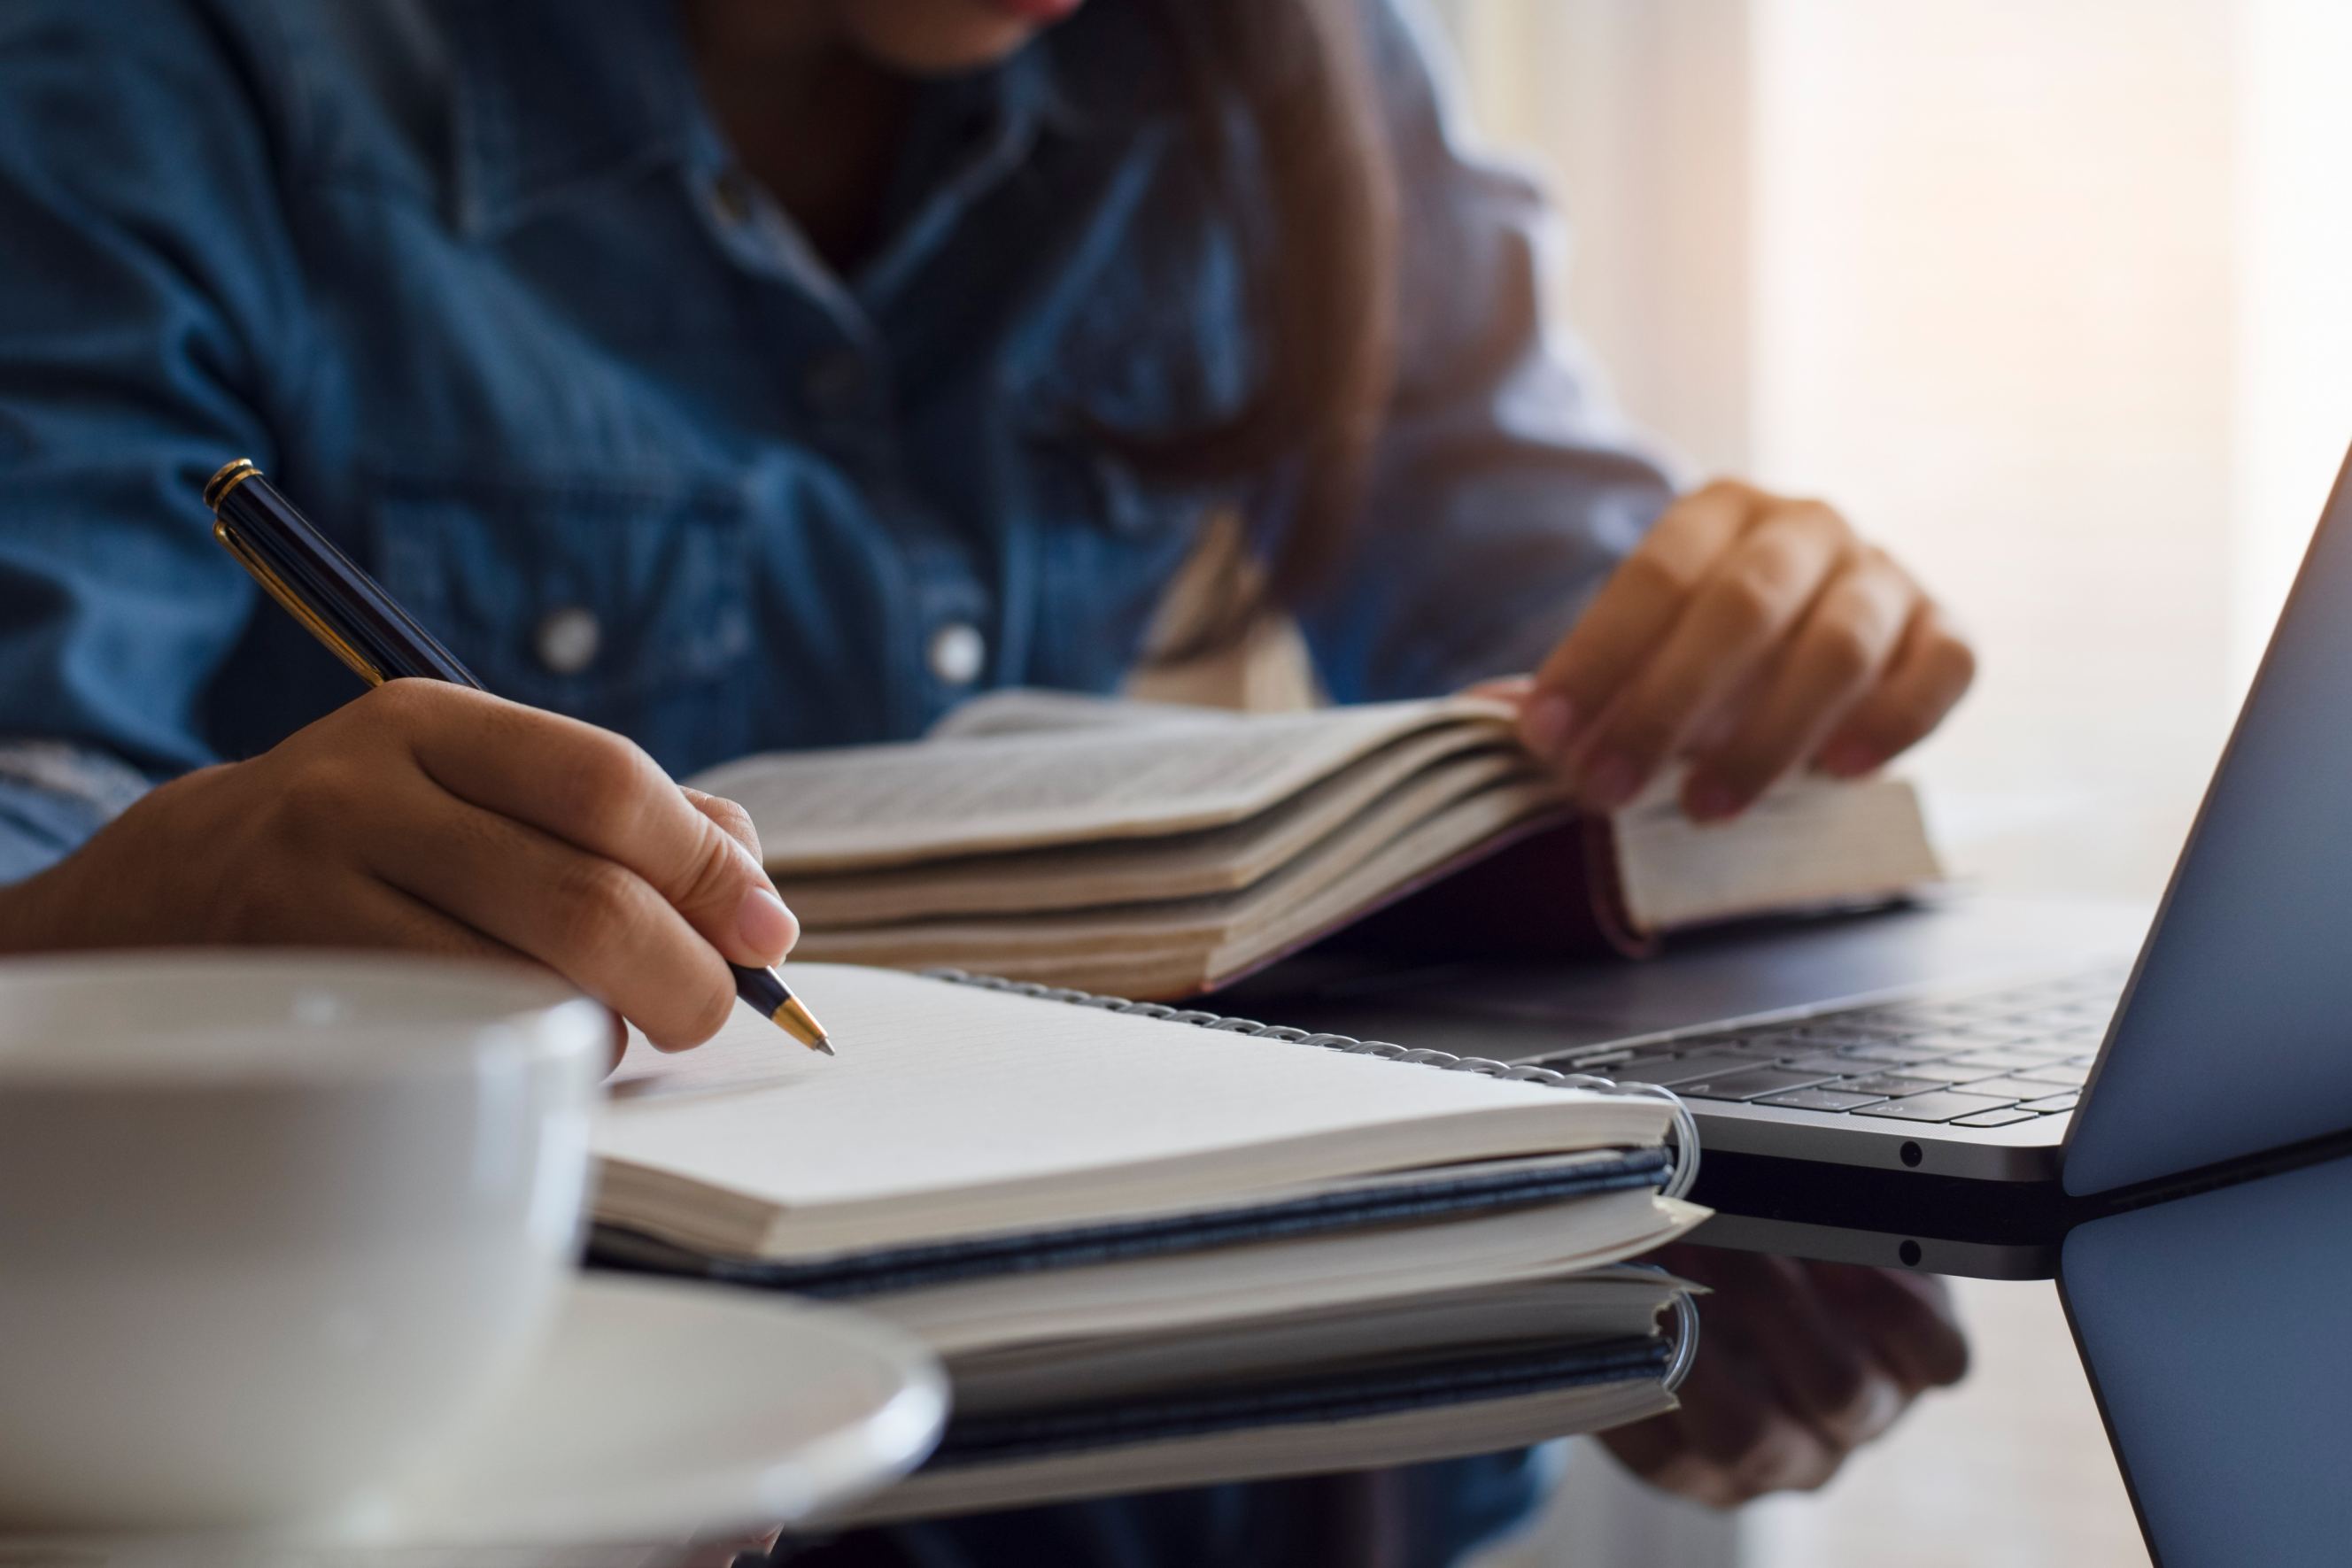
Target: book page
(1036, 710)
(1401, 778)
(1808, 842)
(1370, 853)
(890, 805)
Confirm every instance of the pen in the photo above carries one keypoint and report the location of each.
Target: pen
(345, 609)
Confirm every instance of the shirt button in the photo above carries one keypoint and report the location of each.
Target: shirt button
(731, 197)
(957, 652)
(567, 640)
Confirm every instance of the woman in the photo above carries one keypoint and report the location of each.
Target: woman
(715, 375)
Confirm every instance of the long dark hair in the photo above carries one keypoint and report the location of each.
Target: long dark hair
(1298, 77)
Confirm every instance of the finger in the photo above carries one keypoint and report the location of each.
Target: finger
(1631, 614)
(1838, 650)
(600, 793)
(730, 817)
(1781, 1452)
(1823, 1374)
(1733, 622)
(1726, 1444)
(593, 921)
(1684, 1451)
(1659, 1451)
(372, 913)
(1721, 722)
(1734, 1436)
(1502, 688)
(782, 929)
(1908, 1320)
(1932, 670)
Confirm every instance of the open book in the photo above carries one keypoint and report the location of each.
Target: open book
(1157, 852)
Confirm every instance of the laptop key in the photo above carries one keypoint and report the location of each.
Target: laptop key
(2006, 1060)
(1991, 1034)
(1672, 1071)
(1827, 1066)
(1954, 1041)
(1762, 1048)
(1895, 1053)
(1752, 1084)
(1944, 1105)
(1843, 1033)
(2050, 1104)
(1993, 1118)
(1820, 1100)
(1893, 1084)
(2058, 1075)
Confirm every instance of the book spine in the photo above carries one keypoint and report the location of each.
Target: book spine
(1684, 1138)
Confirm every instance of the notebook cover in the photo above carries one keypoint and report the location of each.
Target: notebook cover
(1345, 1396)
(910, 1267)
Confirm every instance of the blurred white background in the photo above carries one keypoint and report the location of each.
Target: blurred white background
(2051, 297)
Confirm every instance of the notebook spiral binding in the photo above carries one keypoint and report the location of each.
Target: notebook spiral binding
(1684, 1136)
(1686, 1339)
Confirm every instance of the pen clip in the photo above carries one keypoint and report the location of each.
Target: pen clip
(293, 605)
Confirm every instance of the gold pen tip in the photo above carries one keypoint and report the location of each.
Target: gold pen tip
(791, 1016)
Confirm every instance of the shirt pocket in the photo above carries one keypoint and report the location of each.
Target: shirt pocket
(1082, 477)
(622, 601)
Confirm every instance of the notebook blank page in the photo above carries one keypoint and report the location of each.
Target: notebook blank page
(952, 1100)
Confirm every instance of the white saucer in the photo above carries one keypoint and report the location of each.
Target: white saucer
(657, 1411)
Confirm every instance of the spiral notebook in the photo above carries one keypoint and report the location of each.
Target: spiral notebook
(975, 1128)
(1155, 1246)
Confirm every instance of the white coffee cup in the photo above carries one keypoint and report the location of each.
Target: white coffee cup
(271, 1226)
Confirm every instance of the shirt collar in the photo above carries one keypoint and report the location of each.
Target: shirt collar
(553, 94)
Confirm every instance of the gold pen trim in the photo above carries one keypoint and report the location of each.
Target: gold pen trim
(229, 476)
(288, 601)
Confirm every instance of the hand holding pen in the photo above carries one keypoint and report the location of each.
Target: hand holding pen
(429, 816)
(351, 613)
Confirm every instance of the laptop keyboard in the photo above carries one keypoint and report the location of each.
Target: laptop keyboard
(1985, 1060)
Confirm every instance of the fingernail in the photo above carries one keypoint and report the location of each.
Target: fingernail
(1610, 783)
(1545, 722)
(1847, 759)
(765, 926)
(1872, 1410)
(1710, 802)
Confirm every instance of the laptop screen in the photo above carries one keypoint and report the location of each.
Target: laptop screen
(2235, 1037)
(2213, 1327)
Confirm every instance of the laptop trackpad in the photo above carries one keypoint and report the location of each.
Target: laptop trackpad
(2214, 1329)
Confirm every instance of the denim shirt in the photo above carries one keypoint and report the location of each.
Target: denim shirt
(482, 289)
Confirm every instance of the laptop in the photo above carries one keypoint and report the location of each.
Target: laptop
(1968, 1127)
(2021, 1109)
